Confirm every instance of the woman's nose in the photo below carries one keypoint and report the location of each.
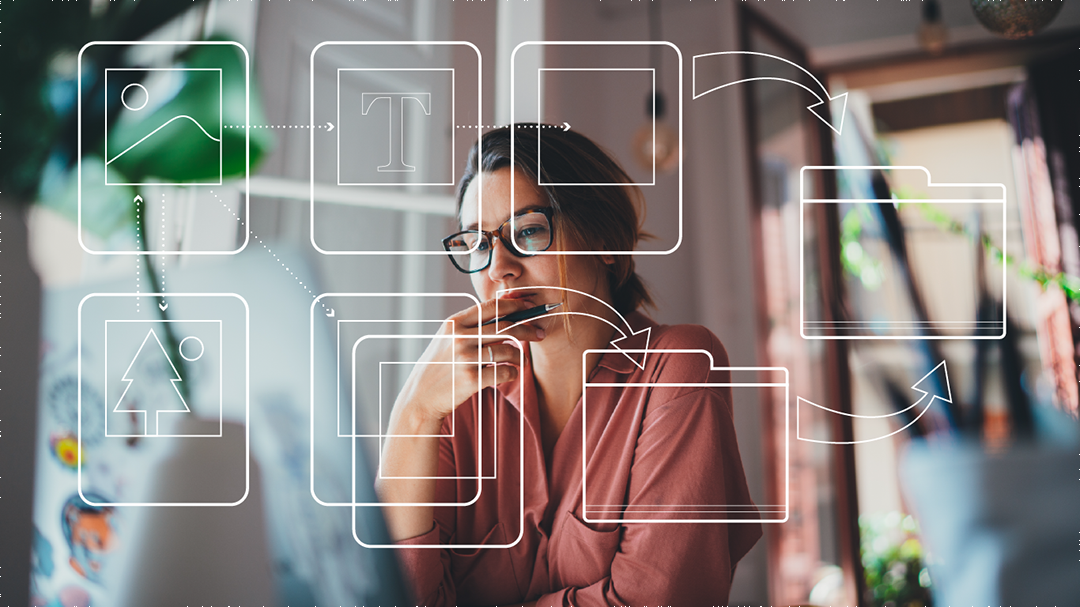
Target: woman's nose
(504, 264)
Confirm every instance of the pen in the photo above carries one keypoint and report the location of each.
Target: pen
(524, 314)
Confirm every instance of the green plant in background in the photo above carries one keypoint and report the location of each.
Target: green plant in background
(860, 265)
(39, 65)
(893, 561)
(1070, 285)
(856, 262)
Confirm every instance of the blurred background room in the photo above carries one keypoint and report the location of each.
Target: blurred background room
(925, 300)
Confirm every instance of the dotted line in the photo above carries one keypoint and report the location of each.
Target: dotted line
(138, 245)
(520, 126)
(460, 126)
(273, 126)
(268, 250)
(162, 276)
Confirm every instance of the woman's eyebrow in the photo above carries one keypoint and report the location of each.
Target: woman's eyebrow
(525, 209)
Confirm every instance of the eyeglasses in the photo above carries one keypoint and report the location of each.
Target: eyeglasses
(470, 250)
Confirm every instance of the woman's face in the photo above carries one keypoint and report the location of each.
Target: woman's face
(507, 271)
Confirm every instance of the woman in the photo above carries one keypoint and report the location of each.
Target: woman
(649, 453)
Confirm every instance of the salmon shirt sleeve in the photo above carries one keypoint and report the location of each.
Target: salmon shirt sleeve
(649, 444)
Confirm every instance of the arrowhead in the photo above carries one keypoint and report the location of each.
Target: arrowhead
(834, 112)
(566, 126)
(163, 306)
(330, 314)
(936, 389)
(330, 126)
(138, 198)
(648, 333)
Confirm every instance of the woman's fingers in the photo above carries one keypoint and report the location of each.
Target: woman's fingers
(489, 310)
(500, 353)
(497, 351)
(498, 374)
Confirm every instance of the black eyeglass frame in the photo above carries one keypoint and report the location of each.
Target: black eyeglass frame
(547, 212)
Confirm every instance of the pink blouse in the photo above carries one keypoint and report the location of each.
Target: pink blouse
(650, 452)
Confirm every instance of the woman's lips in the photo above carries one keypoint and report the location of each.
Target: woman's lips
(522, 295)
(515, 294)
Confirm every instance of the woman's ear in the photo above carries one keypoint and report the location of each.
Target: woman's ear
(607, 259)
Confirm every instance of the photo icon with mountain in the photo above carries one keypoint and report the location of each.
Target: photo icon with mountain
(153, 122)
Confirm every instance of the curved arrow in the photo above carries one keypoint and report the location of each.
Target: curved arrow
(630, 332)
(817, 108)
(931, 392)
(600, 318)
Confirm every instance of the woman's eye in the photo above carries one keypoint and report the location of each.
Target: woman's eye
(532, 232)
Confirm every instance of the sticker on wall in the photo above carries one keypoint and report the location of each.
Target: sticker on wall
(64, 447)
(90, 532)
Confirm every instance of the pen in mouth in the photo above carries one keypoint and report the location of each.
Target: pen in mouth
(523, 314)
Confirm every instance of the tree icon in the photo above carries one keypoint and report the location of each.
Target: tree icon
(143, 368)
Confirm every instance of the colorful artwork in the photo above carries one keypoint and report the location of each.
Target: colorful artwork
(65, 448)
(90, 532)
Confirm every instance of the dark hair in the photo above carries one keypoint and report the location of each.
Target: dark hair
(590, 217)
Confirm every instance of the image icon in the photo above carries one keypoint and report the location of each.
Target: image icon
(137, 126)
(152, 371)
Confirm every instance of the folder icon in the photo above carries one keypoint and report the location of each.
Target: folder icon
(914, 255)
(750, 389)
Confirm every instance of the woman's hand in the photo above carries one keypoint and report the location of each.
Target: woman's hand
(410, 456)
(433, 391)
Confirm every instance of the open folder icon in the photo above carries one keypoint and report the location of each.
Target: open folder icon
(952, 235)
(750, 389)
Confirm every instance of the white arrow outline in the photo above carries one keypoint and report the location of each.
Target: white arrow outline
(843, 96)
(630, 332)
(948, 389)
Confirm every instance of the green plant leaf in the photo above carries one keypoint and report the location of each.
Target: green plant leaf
(197, 136)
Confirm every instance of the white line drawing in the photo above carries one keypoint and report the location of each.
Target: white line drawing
(368, 99)
(246, 398)
(82, 152)
(820, 329)
(322, 188)
(150, 427)
(354, 364)
(219, 125)
(170, 121)
(479, 489)
(822, 109)
(138, 87)
(679, 131)
(540, 103)
(322, 395)
(932, 393)
(630, 332)
(199, 344)
(769, 513)
(339, 325)
(128, 381)
(248, 232)
(396, 146)
(313, 422)
(381, 436)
